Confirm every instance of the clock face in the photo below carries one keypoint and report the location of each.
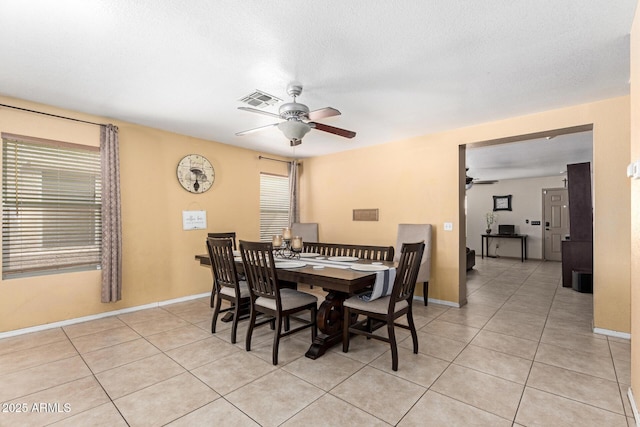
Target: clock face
(195, 173)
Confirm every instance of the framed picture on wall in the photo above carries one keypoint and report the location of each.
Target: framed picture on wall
(502, 203)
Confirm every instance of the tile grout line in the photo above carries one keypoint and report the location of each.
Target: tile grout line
(95, 379)
(523, 385)
(615, 371)
(452, 362)
(512, 293)
(533, 360)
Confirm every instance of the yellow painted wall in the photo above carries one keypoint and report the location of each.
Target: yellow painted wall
(158, 256)
(635, 209)
(418, 181)
(410, 181)
(401, 180)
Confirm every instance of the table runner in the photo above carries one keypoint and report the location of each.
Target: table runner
(382, 286)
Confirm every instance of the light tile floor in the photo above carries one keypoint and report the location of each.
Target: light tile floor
(521, 353)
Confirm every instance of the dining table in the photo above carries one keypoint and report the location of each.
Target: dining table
(340, 277)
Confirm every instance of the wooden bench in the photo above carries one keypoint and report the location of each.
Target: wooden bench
(377, 253)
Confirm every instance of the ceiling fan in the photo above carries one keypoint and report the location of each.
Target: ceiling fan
(470, 181)
(297, 118)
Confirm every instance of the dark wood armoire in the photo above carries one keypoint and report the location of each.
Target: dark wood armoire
(577, 252)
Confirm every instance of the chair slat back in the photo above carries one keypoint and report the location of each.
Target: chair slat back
(407, 272)
(228, 235)
(223, 266)
(374, 253)
(260, 270)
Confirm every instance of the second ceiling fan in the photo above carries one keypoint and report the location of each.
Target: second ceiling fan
(298, 120)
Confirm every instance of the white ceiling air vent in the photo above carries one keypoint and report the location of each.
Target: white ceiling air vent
(259, 99)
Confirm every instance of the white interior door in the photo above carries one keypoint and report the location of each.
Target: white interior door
(556, 222)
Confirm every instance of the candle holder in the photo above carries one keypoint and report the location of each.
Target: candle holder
(287, 248)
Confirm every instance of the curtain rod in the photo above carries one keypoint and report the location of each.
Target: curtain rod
(52, 115)
(275, 160)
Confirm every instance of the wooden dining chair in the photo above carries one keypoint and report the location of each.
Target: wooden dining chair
(408, 233)
(386, 310)
(372, 253)
(227, 235)
(272, 299)
(226, 285)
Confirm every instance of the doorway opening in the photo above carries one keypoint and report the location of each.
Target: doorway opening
(521, 167)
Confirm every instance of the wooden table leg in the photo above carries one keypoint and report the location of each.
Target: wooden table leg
(482, 246)
(329, 320)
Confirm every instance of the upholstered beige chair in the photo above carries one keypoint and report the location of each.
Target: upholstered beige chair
(409, 233)
(307, 230)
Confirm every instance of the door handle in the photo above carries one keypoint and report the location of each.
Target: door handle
(546, 224)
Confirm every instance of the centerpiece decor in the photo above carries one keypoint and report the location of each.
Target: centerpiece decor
(287, 246)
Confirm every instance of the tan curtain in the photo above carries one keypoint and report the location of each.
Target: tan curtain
(111, 215)
(294, 215)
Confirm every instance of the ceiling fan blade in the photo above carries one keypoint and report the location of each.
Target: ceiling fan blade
(323, 113)
(255, 110)
(333, 130)
(258, 129)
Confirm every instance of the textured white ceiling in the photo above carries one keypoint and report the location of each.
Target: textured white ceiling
(531, 158)
(394, 69)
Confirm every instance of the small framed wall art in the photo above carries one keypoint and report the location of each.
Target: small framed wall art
(502, 203)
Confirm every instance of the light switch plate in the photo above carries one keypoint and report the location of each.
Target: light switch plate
(633, 170)
(448, 226)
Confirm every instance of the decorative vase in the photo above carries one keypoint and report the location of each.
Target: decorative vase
(488, 230)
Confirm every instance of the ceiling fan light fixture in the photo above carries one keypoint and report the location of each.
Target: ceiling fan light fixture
(293, 110)
(294, 130)
(295, 116)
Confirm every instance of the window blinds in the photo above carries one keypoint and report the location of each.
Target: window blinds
(274, 205)
(51, 206)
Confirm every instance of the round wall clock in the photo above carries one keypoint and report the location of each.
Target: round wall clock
(195, 173)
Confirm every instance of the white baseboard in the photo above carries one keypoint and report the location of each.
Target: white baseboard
(636, 416)
(438, 301)
(183, 299)
(98, 316)
(610, 333)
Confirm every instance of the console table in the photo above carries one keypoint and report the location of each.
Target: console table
(522, 237)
